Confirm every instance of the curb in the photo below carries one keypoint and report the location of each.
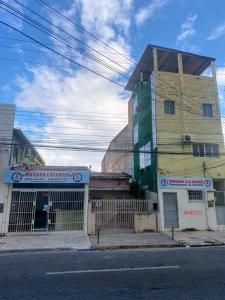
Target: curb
(121, 247)
(211, 244)
(45, 249)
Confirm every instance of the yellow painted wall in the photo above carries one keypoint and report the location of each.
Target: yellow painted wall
(188, 92)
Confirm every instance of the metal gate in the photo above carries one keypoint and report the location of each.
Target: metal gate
(46, 211)
(22, 212)
(220, 207)
(117, 215)
(170, 210)
(66, 211)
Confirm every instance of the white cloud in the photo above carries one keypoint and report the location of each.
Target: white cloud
(147, 12)
(220, 72)
(218, 32)
(221, 88)
(50, 91)
(103, 16)
(187, 30)
(77, 91)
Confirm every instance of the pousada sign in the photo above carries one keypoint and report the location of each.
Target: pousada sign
(185, 183)
(46, 176)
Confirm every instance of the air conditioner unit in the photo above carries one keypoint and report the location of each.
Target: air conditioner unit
(187, 138)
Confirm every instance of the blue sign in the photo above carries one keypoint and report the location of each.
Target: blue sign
(46, 176)
(185, 183)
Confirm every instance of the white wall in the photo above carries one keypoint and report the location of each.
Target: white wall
(7, 116)
(191, 214)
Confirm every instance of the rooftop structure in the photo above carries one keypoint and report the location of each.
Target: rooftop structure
(167, 61)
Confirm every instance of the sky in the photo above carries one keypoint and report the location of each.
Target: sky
(61, 103)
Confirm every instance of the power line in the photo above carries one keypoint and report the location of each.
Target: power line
(58, 45)
(97, 149)
(60, 54)
(57, 37)
(44, 63)
(67, 112)
(190, 109)
(82, 28)
(70, 35)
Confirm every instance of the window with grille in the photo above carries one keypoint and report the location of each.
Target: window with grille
(207, 110)
(205, 150)
(169, 107)
(195, 195)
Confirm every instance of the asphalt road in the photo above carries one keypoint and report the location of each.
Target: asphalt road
(193, 273)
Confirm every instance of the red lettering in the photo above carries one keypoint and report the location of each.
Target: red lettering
(192, 212)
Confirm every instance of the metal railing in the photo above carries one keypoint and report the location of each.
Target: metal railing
(117, 215)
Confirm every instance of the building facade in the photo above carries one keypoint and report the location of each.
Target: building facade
(6, 134)
(23, 152)
(119, 157)
(178, 134)
(35, 197)
(109, 186)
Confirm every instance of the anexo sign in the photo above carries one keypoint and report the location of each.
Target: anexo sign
(46, 176)
(184, 183)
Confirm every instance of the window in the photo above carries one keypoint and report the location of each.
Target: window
(207, 110)
(135, 105)
(145, 156)
(205, 150)
(195, 195)
(136, 134)
(169, 107)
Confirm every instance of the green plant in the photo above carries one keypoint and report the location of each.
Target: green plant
(136, 191)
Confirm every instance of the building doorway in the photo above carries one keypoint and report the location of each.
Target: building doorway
(170, 210)
(41, 212)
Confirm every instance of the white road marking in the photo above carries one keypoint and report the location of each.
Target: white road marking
(113, 270)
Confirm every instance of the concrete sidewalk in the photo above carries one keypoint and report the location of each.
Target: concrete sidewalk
(199, 238)
(132, 240)
(42, 241)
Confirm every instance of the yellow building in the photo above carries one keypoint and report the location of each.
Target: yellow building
(184, 139)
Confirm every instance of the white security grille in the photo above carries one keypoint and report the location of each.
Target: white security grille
(66, 211)
(46, 211)
(22, 211)
(117, 215)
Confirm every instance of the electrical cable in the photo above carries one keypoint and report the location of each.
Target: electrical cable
(60, 54)
(82, 29)
(56, 36)
(70, 35)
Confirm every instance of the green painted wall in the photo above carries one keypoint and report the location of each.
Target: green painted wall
(143, 116)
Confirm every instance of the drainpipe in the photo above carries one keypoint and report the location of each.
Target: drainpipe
(206, 210)
(204, 167)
